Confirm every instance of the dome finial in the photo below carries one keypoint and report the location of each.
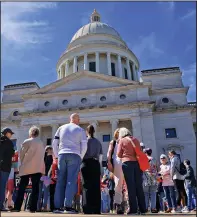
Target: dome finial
(95, 17)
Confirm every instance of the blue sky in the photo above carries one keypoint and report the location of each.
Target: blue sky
(34, 35)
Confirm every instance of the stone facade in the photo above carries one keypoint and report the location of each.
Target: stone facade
(154, 107)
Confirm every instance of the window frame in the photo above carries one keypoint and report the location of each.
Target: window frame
(126, 74)
(94, 66)
(106, 135)
(113, 73)
(172, 128)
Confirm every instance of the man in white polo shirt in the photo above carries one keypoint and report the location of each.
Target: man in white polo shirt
(69, 146)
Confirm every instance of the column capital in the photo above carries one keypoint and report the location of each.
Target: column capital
(114, 121)
(94, 123)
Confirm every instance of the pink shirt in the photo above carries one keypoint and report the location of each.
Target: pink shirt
(165, 172)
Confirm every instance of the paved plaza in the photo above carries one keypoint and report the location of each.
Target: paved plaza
(23, 214)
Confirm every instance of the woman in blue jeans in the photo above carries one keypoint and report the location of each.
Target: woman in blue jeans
(168, 184)
(150, 182)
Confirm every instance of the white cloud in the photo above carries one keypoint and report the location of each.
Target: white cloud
(16, 29)
(190, 14)
(170, 4)
(147, 46)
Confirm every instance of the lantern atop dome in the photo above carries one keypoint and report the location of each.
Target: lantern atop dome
(95, 17)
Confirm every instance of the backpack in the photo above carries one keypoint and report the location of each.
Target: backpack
(182, 170)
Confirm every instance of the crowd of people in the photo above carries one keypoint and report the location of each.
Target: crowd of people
(68, 177)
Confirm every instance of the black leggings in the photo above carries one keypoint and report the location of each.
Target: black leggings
(90, 177)
(111, 194)
(180, 192)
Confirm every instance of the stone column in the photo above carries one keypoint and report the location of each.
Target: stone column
(97, 61)
(85, 62)
(75, 65)
(66, 68)
(133, 71)
(61, 72)
(114, 125)
(128, 70)
(94, 124)
(109, 63)
(120, 66)
(136, 128)
(148, 132)
(54, 130)
(136, 74)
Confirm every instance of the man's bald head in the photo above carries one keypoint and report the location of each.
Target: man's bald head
(74, 118)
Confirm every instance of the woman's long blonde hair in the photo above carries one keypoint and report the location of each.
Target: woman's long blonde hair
(116, 133)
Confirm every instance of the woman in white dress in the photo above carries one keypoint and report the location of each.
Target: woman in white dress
(114, 165)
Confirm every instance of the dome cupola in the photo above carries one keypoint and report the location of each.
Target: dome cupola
(99, 48)
(95, 17)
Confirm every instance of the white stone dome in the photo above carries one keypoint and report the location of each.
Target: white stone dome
(96, 28)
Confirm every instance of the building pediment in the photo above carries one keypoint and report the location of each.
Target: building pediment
(81, 81)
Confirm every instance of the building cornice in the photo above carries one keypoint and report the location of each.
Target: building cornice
(104, 108)
(169, 90)
(83, 92)
(172, 109)
(12, 105)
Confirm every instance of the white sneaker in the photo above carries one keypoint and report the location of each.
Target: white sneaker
(185, 210)
(58, 211)
(173, 211)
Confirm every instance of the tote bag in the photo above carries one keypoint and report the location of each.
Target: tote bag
(141, 157)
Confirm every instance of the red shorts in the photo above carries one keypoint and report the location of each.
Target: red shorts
(10, 185)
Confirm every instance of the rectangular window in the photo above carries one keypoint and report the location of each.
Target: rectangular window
(125, 73)
(49, 141)
(170, 133)
(113, 69)
(106, 138)
(92, 66)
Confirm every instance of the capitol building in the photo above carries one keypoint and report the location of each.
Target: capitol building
(99, 77)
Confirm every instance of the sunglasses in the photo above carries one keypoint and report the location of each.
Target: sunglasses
(162, 158)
